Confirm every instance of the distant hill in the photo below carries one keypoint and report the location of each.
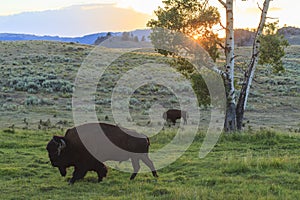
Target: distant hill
(292, 34)
(87, 39)
(246, 37)
(242, 37)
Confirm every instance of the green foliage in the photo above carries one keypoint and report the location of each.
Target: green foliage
(35, 101)
(192, 18)
(198, 83)
(209, 41)
(200, 89)
(58, 86)
(272, 46)
(32, 101)
(46, 83)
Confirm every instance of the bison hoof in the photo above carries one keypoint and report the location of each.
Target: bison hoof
(71, 183)
(133, 176)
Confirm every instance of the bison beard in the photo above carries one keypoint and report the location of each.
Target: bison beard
(123, 145)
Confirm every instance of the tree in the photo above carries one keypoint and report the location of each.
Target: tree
(190, 17)
(249, 73)
(135, 39)
(101, 39)
(143, 38)
(230, 117)
(272, 46)
(267, 49)
(125, 36)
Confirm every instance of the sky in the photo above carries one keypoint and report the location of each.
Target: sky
(81, 17)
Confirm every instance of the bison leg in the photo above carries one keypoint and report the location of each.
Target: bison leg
(62, 171)
(145, 158)
(184, 120)
(101, 171)
(78, 173)
(169, 123)
(136, 167)
(174, 121)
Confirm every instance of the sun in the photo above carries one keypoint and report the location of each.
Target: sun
(196, 37)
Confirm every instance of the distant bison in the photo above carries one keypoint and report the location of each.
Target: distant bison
(174, 114)
(112, 143)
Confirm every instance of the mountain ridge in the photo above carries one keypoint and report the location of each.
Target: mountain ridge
(86, 39)
(243, 37)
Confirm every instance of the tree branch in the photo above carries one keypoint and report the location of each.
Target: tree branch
(258, 82)
(223, 3)
(240, 69)
(221, 45)
(218, 71)
(234, 57)
(272, 17)
(259, 7)
(222, 26)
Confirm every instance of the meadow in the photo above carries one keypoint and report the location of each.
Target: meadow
(260, 165)
(37, 80)
(36, 86)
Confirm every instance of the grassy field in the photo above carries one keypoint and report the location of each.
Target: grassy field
(37, 77)
(36, 86)
(260, 165)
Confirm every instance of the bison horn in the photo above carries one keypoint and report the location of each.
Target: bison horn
(61, 146)
(63, 143)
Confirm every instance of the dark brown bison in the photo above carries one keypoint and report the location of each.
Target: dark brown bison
(174, 114)
(110, 142)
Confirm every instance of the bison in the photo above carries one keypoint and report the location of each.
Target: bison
(111, 142)
(174, 114)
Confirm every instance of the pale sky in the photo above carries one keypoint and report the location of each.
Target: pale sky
(8, 7)
(246, 12)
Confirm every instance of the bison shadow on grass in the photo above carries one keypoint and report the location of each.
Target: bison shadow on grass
(117, 144)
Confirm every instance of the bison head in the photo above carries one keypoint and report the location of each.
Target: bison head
(55, 148)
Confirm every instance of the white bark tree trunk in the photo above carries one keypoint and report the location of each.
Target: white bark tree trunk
(249, 74)
(230, 121)
(256, 46)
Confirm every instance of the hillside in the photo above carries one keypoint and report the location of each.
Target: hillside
(37, 79)
(292, 34)
(86, 39)
(243, 37)
(246, 37)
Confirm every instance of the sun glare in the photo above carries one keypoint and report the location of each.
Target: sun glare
(196, 37)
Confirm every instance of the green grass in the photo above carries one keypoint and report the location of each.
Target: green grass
(257, 165)
(273, 101)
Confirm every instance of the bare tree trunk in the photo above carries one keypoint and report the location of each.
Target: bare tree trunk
(249, 74)
(230, 120)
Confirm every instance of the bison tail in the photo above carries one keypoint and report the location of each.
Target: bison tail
(148, 141)
(165, 116)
